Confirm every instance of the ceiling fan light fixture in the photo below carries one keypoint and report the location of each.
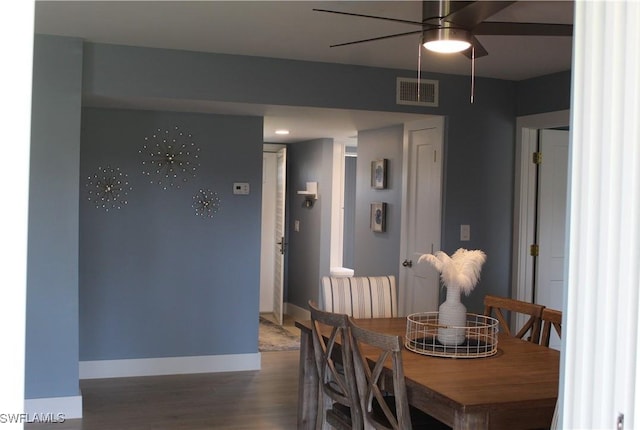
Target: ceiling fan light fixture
(447, 40)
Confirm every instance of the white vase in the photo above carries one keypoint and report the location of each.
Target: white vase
(452, 313)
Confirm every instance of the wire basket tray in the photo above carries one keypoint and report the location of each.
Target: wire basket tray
(480, 336)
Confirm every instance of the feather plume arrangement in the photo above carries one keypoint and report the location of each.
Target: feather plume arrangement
(460, 270)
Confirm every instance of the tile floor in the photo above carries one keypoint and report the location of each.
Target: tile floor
(288, 322)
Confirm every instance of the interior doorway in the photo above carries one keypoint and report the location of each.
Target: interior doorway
(548, 284)
(540, 205)
(273, 244)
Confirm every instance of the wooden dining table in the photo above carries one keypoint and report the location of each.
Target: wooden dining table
(516, 388)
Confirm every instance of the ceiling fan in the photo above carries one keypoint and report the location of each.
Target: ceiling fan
(452, 26)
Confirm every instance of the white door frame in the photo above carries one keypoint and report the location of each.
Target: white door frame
(268, 242)
(525, 197)
(271, 248)
(337, 206)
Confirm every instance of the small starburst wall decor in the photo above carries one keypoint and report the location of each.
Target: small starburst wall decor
(170, 157)
(108, 188)
(206, 203)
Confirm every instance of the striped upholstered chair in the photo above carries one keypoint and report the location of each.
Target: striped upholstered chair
(360, 296)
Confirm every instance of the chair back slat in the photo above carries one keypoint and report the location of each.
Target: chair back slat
(495, 306)
(370, 379)
(338, 391)
(551, 318)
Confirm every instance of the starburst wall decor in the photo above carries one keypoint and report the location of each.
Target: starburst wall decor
(206, 203)
(108, 188)
(170, 157)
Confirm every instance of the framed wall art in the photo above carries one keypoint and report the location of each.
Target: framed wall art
(378, 217)
(379, 174)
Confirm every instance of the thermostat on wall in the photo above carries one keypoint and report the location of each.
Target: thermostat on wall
(240, 188)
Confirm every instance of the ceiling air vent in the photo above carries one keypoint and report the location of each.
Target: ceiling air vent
(407, 92)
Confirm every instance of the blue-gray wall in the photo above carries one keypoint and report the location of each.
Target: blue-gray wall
(308, 255)
(378, 253)
(52, 264)
(348, 233)
(544, 94)
(478, 190)
(155, 279)
(120, 72)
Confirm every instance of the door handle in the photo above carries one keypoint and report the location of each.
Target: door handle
(283, 245)
(407, 263)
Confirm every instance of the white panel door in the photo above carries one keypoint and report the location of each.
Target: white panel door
(419, 290)
(278, 273)
(552, 210)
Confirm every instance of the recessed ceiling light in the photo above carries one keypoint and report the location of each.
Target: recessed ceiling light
(282, 132)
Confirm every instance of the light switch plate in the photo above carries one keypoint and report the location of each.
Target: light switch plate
(241, 188)
(465, 232)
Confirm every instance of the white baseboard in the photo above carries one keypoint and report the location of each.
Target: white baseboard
(297, 312)
(53, 409)
(168, 365)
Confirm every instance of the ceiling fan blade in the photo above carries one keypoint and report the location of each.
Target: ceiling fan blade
(473, 14)
(522, 29)
(480, 51)
(377, 38)
(403, 21)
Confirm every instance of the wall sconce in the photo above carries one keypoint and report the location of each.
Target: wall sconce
(310, 194)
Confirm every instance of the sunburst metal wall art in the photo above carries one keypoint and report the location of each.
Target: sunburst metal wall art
(170, 157)
(108, 188)
(206, 203)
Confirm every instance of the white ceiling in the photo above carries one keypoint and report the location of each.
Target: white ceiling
(292, 30)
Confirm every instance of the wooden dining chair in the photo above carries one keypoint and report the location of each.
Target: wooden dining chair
(551, 318)
(495, 306)
(383, 410)
(338, 402)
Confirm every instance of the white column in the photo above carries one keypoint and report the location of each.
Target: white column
(600, 368)
(16, 40)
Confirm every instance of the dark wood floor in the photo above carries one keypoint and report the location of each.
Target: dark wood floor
(265, 399)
